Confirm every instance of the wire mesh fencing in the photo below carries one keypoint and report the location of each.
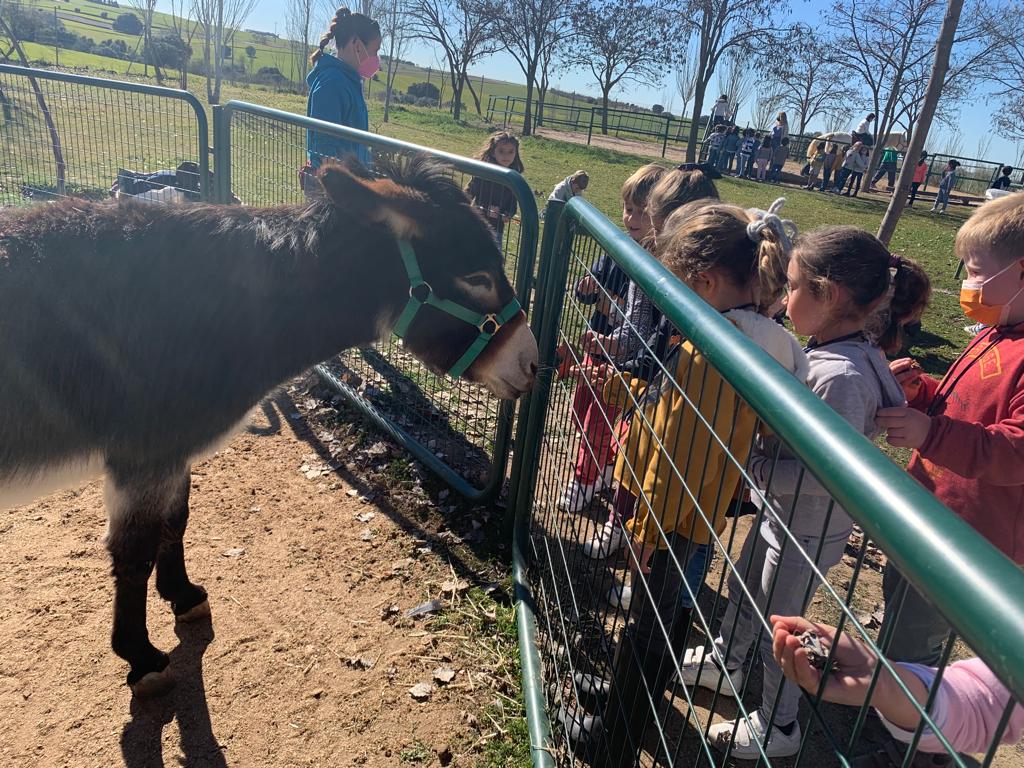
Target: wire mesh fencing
(457, 427)
(682, 487)
(70, 135)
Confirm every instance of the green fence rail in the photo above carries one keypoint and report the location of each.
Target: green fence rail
(592, 644)
(69, 134)
(458, 429)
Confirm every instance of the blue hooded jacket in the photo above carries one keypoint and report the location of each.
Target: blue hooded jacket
(335, 96)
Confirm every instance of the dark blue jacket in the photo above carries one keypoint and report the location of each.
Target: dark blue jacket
(336, 96)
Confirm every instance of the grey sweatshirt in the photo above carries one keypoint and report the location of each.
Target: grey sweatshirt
(853, 378)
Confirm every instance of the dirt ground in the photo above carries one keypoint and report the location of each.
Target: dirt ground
(309, 659)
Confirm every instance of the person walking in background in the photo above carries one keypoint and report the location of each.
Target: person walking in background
(764, 157)
(336, 89)
(815, 165)
(729, 148)
(920, 178)
(780, 130)
(779, 156)
(570, 187)
(945, 187)
(828, 164)
(1003, 182)
(888, 168)
(862, 132)
(854, 163)
(748, 148)
(497, 201)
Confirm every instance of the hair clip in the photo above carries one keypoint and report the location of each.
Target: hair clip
(784, 229)
(895, 262)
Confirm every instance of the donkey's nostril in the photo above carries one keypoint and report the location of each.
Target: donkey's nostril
(533, 369)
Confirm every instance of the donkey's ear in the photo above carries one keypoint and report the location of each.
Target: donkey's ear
(379, 200)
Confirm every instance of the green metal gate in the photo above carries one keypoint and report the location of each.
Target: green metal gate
(578, 639)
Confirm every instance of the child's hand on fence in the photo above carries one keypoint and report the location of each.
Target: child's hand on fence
(640, 562)
(594, 343)
(596, 375)
(587, 286)
(904, 427)
(909, 375)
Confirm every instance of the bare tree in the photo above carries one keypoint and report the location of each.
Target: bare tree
(838, 117)
(720, 26)
(954, 144)
(807, 76)
(146, 9)
(621, 41)
(464, 30)
(736, 80)
(766, 108)
(394, 26)
(218, 20)
(984, 145)
(298, 25)
(943, 48)
(524, 28)
(685, 77)
(184, 25)
(552, 59)
(1006, 70)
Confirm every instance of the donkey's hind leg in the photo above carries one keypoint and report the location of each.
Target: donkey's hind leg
(188, 600)
(137, 503)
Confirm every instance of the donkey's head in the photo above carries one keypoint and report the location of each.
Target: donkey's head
(456, 311)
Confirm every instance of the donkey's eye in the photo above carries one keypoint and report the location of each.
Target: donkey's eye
(478, 281)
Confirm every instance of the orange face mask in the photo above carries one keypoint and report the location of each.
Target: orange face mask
(972, 300)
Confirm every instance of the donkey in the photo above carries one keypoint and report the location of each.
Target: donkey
(134, 337)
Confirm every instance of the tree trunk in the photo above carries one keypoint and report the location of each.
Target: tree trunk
(476, 99)
(542, 95)
(531, 76)
(389, 78)
(605, 91)
(218, 54)
(207, 64)
(55, 146)
(692, 142)
(936, 81)
(457, 96)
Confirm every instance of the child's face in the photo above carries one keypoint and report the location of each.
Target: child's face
(505, 153)
(806, 311)
(637, 222)
(1007, 280)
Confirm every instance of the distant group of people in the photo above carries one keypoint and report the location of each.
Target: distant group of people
(758, 155)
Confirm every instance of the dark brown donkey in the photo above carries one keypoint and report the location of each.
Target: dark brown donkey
(134, 336)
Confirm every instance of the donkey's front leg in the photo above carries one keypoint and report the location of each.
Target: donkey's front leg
(137, 502)
(188, 600)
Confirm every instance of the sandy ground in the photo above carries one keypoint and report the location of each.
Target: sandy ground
(308, 660)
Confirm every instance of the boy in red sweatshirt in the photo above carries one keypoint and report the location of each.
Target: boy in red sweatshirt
(967, 431)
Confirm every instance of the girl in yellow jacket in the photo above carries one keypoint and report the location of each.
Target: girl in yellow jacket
(688, 439)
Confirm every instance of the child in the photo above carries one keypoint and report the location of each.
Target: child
(497, 201)
(715, 142)
(1003, 182)
(920, 177)
(852, 171)
(606, 284)
(729, 148)
(764, 156)
(945, 187)
(966, 431)
(839, 282)
(888, 166)
(675, 189)
(815, 166)
(748, 147)
(779, 156)
(734, 259)
(570, 187)
(828, 164)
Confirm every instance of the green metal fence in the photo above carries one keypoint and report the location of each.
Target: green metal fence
(609, 680)
(457, 428)
(68, 134)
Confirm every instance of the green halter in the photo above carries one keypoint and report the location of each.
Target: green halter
(421, 293)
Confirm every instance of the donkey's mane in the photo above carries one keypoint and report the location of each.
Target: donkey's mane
(422, 173)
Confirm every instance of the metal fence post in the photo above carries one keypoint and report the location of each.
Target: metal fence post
(222, 152)
(590, 129)
(668, 127)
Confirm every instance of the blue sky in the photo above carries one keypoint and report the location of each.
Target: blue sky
(269, 16)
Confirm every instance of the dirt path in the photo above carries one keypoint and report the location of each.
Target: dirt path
(308, 581)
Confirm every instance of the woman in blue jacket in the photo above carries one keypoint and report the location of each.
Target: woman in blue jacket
(336, 85)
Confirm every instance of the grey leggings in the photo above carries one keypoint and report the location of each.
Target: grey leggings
(765, 566)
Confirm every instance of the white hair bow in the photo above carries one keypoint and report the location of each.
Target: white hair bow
(784, 229)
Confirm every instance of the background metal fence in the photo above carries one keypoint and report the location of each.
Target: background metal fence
(65, 134)
(598, 657)
(459, 429)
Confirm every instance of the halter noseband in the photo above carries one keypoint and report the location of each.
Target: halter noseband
(421, 293)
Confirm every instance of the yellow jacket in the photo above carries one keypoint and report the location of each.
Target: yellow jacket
(676, 457)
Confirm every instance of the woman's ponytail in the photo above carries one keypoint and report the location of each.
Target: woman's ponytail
(344, 26)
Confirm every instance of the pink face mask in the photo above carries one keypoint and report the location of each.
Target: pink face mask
(369, 66)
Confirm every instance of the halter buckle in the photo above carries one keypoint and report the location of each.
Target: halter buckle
(424, 285)
(490, 320)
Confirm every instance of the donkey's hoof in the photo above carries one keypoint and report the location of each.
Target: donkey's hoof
(195, 613)
(153, 684)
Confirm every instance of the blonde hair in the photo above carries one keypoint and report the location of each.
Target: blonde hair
(637, 188)
(996, 227)
(705, 236)
(675, 189)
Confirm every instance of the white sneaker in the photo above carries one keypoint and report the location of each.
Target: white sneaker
(576, 496)
(699, 668)
(750, 734)
(609, 540)
(975, 329)
(620, 596)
